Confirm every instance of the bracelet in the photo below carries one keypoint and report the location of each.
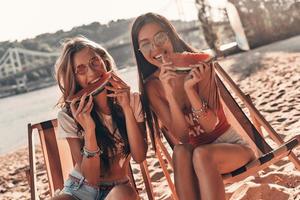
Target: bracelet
(202, 112)
(89, 154)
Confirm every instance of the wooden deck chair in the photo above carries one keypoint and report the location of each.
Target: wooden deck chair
(59, 162)
(252, 131)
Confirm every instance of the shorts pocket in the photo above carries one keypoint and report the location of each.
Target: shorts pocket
(68, 183)
(79, 190)
(73, 185)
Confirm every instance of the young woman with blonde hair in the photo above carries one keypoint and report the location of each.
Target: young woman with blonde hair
(104, 129)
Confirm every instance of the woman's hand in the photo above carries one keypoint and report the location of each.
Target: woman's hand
(195, 76)
(121, 92)
(166, 75)
(82, 113)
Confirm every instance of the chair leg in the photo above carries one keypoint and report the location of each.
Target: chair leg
(292, 157)
(147, 180)
(165, 152)
(27, 173)
(32, 179)
(166, 173)
(295, 160)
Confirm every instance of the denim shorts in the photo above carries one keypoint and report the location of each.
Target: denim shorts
(78, 188)
(231, 137)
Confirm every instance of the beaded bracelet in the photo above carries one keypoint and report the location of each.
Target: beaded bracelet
(88, 154)
(202, 112)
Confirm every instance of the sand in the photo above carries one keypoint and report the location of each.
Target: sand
(271, 75)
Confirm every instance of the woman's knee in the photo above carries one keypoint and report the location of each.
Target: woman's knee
(182, 151)
(125, 192)
(249, 154)
(202, 157)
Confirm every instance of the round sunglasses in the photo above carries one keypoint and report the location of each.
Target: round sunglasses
(94, 63)
(159, 39)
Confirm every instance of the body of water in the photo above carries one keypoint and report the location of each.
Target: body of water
(33, 107)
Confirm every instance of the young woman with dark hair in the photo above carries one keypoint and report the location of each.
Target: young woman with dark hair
(188, 105)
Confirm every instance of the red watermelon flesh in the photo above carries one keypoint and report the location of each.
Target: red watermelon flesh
(93, 88)
(185, 59)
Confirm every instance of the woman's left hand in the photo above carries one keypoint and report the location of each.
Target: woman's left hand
(120, 91)
(196, 75)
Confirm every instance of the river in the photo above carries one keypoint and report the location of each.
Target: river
(33, 107)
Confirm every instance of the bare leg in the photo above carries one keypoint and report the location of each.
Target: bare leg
(210, 161)
(186, 182)
(124, 192)
(63, 197)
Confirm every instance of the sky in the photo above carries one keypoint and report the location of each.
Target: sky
(21, 19)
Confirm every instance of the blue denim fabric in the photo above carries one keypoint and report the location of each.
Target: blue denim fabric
(80, 190)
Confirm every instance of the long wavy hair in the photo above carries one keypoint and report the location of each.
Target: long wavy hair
(145, 68)
(66, 80)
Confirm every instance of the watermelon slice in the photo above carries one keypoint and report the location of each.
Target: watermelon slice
(92, 89)
(182, 61)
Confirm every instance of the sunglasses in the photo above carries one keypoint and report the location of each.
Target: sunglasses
(94, 63)
(159, 39)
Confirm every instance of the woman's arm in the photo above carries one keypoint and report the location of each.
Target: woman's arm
(206, 117)
(136, 136)
(89, 167)
(136, 131)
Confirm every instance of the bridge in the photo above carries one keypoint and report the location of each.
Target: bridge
(19, 67)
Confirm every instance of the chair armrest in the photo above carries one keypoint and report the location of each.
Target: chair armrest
(262, 162)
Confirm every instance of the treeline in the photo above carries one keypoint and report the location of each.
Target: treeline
(110, 33)
(49, 42)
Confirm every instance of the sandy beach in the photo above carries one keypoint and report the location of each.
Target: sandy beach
(271, 75)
